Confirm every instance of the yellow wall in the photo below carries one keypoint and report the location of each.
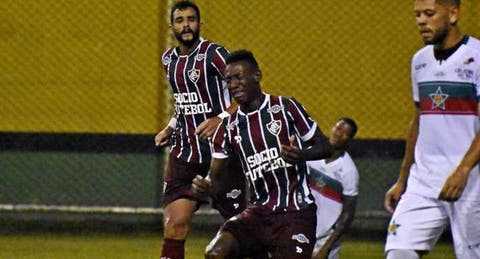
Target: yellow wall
(80, 66)
(93, 66)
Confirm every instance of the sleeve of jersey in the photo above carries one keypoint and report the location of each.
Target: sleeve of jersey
(304, 125)
(350, 179)
(415, 91)
(219, 55)
(219, 143)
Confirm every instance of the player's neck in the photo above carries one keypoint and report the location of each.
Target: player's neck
(335, 155)
(452, 39)
(254, 105)
(186, 49)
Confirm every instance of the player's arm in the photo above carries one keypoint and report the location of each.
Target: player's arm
(162, 137)
(207, 184)
(393, 194)
(208, 126)
(343, 223)
(456, 182)
(318, 147)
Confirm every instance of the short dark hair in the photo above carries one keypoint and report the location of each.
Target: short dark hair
(450, 2)
(182, 5)
(352, 125)
(242, 55)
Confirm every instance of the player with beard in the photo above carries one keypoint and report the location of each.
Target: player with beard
(281, 218)
(195, 69)
(439, 180)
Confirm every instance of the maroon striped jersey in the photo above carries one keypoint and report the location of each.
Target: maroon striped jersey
(256, 138)
(198, 93)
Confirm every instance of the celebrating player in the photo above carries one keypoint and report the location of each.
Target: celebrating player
(281, 218)
(334, 184)
(195, 70)
(440, 168)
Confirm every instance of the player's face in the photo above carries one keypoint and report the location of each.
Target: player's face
(433, 20)
(241, 82)
(186, 26)
(340, 135)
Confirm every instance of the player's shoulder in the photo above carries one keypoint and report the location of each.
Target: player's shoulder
(167, 56)
(422, 53)
(348, 165)
(213, 46)
(473, 43)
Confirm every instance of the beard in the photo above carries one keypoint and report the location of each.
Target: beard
(189, 42)
(438, 37)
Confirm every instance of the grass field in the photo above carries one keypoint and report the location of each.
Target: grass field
(133, 246)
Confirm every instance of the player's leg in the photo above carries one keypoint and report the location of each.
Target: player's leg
(239, 237)
(223, 245)
(416, 225)
(177, 217)
(464, 223)
(293, 233)
(180, 202)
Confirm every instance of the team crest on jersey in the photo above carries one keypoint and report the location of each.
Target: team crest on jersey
(301, 238)
(274, 127)
(200, 57)
(166, 60)
(194, 74)
(275, 109)
(438, 99)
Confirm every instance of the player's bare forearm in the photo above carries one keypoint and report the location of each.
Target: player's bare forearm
(408, 158)
(318, 147)
(453, 188)
(344, 221)
(162, 137)
(206, 129)
(208, 184)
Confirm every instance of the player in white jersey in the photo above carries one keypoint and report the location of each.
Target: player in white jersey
(439, 177)
(334, 184)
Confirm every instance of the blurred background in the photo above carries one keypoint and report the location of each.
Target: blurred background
(83, 93)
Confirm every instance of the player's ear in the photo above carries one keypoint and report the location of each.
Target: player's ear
(258, 76)
(453, 15)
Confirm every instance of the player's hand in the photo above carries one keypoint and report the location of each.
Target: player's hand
(206, 129)
(162, 137)
(291, 153)
(453, 187)
(201, 184)
(393, 196)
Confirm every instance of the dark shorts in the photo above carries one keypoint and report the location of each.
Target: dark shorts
(178, 181)
(230, 198)
(283, 234)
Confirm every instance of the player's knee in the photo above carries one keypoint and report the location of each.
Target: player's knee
(176, 228)
(402, 254)
(222, 246)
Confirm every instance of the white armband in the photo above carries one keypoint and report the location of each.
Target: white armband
(172, 123)
(223, 115)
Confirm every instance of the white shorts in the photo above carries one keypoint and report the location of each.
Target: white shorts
(418, 222)
(335, 249)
